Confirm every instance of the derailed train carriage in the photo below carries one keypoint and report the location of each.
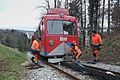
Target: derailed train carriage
(57, 30)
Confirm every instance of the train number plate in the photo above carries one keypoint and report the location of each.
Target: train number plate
(63, 38)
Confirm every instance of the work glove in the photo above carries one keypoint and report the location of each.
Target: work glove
(100, 46)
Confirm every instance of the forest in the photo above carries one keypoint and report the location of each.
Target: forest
(14, 39)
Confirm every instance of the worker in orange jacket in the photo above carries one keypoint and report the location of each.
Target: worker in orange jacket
(35, 49)
(75, 50)
(96, 42)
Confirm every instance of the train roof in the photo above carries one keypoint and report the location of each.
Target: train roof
(56, 16)
(57, 11)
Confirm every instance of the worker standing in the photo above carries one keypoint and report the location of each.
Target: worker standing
(33, 54)
(75, 50)
(96, 42)
(35, 49)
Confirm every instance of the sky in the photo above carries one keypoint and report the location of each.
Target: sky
(20, 14)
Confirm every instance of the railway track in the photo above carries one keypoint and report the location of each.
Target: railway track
(62, 71)
(100, 74)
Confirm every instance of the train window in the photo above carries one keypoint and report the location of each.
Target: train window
(69, 28)
(54, 27)
(61, 27)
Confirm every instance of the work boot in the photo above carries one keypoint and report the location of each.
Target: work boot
(40, 66)
(96, 60)
(36, 67)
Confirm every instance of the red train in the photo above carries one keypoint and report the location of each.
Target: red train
(57, 30)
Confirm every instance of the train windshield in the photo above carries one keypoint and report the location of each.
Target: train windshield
(61, 27)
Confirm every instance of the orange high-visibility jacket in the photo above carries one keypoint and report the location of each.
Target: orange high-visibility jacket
(96, 39)
(36, 45)
(76, 50)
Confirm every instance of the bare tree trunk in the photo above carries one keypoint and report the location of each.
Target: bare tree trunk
(58, 4)
(103, 16)
(66, 4)
(118, 2)
(54, 3)
(108, 29)
(96, 17)
(91, 7)
(81, 16)
(84, 29)
(81, 20)
(48, 4)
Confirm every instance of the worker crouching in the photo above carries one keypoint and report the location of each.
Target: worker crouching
(75, 50)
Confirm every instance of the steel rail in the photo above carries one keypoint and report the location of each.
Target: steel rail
(60, 70)
(99, 73)
(103, 71)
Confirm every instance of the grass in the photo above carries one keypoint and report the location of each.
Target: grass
(10, 63)
(110, 52)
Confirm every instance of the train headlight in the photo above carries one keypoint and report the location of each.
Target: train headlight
(51, 42)
(62, 15)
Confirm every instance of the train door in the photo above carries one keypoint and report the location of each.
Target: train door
(42, 35)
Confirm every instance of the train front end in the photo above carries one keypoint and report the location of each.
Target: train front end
(60, 31)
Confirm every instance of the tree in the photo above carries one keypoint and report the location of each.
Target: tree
(48, 4)
(108, 29)
(74, 9)
(103, 16)
(116, 18)
(66, 4)
(54, 3)
(14, 39)
(84, 28)
(93, 14)
(58, 4)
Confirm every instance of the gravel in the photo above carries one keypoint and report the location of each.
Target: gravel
(78, 74)
(48, 73)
